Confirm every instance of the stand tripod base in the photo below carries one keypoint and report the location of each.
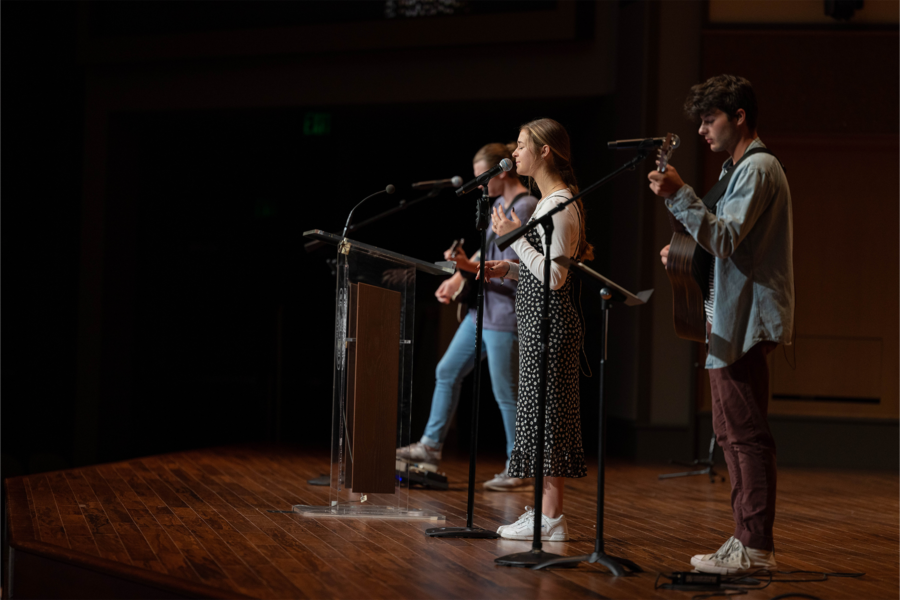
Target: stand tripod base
(709, 463)
(462, 532)
(528, 559)
(615, 564)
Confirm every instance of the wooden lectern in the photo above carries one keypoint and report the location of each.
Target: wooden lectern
(373, 352)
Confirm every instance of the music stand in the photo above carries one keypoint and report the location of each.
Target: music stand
(609, 293)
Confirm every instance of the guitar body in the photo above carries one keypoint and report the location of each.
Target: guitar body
(461, 296)
(688, 268)
(688, 264)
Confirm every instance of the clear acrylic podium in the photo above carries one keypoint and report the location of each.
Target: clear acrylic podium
(373, 354)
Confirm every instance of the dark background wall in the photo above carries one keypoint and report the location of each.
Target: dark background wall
(161, 162)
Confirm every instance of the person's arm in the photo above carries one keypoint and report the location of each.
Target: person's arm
(513, 270)
(747, 197)
(462, 262)
(564, 242)
(500, 269)
(448, 288)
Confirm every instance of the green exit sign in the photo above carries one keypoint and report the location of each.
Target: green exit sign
(317, 124)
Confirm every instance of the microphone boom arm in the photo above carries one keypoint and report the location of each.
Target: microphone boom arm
(316, 244)
(505, 241)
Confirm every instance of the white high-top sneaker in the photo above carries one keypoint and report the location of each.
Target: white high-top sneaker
(733, 558)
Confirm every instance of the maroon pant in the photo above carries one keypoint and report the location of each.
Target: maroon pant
(740, 401)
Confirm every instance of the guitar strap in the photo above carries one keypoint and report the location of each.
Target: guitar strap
(716, 192)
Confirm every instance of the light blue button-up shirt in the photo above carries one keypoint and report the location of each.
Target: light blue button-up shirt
(751, 237)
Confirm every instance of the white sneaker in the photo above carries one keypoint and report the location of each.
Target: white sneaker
(529, 511)
(733, 558)
(502, 482)
(552, 530)
(419, 452)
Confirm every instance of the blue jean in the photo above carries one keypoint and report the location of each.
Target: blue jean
(502, 351)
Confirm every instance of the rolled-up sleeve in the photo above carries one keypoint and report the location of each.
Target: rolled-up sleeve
(721, 233)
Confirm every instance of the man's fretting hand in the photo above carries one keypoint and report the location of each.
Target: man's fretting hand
(665, 184)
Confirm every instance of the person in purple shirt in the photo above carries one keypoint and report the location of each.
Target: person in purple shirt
(500, 340)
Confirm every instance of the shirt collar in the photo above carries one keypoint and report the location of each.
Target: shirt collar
(728, 165)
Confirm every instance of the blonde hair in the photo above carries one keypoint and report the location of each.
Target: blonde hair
(494, 153)
(547, 132)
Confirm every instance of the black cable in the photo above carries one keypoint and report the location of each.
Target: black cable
(733, 587)
(717, 594)
(734, 583)
(826, 575)
(656, 583)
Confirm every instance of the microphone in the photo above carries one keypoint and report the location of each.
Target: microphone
(439, 183)
(388, 190)
(503, 165)
(638, 143)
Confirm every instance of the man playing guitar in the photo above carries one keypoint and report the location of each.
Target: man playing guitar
(500, 342)
(745, 223)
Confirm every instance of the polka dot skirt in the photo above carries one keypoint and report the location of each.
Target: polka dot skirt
(563, 450)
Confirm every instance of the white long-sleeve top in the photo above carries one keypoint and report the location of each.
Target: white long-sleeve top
(566, 233)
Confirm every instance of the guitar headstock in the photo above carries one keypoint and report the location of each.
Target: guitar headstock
(665, 151)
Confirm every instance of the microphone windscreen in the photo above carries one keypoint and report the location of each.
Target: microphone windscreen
(390, 189)
(506, 164)
(456, 181)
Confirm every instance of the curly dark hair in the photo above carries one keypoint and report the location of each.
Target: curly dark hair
(727, 93)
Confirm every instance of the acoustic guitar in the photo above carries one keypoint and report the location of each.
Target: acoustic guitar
(688, 268)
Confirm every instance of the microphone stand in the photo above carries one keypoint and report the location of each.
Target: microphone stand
(536, 555)
(316, 244)
(470, 531)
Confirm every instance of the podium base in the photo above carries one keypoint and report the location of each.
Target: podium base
(363, 511)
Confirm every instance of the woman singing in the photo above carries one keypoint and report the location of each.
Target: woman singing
(543, 153)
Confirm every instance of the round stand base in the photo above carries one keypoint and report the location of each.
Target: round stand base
(527, 559)
(615, 564)
(462, 532)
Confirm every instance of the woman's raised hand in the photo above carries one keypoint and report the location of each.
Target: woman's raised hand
(501, 225)
(494, 268)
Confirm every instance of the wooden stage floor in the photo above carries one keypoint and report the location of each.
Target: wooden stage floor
(198, 524)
